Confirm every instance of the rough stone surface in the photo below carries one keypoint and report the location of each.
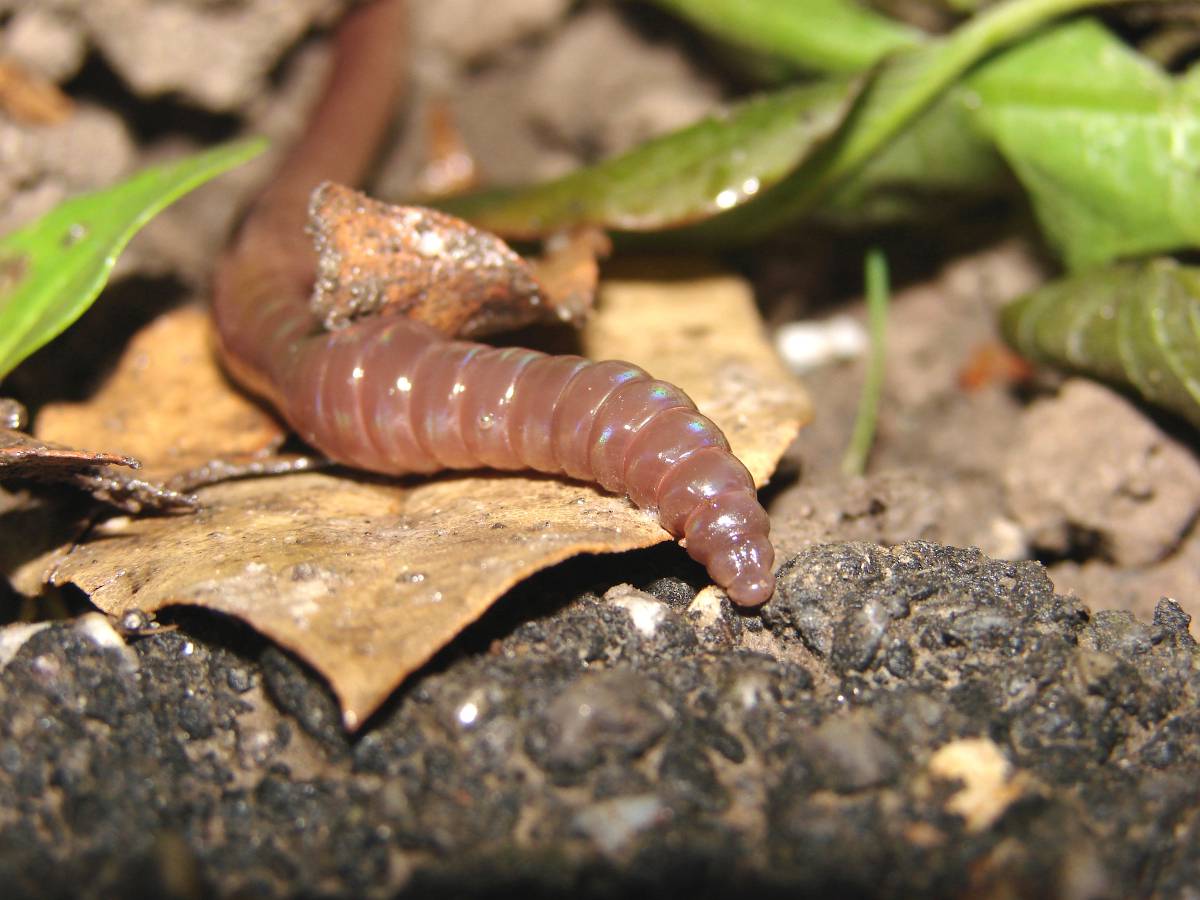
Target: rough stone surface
(914, 721)
(41, 166)
(44, 41)
(442, 40)
(1089, 468)
(581, 100)
(157, 47)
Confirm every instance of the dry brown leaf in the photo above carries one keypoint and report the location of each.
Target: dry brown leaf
(167, 404)
(375, 257)
(366, 578)
(104, 475)
(31, 99)
(569, 271)
(22, 455)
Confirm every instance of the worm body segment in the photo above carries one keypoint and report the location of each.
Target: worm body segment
(394, 396)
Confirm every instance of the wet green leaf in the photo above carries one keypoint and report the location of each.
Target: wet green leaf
(901, 88)
(1135, 325)
(940, 162)
(1106, 143)
(819, 35)
(797, 148)
(52, 270)
(680, 178)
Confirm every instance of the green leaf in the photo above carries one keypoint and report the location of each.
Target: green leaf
(52, 270)
(677, 179)
(1106, 143)
(940, 162)
(838, 36)
(797, 148)
(902, 87)
(1134, 325)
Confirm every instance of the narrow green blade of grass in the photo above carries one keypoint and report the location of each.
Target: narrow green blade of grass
(854, 463)
(836, 36)
(1106, 143)
(52, 270)
(683, 177)
(1134, 325)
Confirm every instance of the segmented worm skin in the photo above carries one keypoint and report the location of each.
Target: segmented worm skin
(394, 396)
(391, 395)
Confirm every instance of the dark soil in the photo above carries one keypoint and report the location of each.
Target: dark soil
(584, 750)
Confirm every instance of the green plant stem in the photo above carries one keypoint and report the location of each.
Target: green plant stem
(854, 463)
(902, 87)
(841, 36)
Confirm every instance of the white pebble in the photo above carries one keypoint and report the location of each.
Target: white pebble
(805, 346)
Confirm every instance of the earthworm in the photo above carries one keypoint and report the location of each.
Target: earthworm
(391, 395)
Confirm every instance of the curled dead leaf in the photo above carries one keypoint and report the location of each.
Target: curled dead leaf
(99, 473)
(367, 578)
(373, 257)
(24, 456)
(569, 270)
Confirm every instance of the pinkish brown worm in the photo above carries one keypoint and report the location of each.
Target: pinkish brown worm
(391, 395)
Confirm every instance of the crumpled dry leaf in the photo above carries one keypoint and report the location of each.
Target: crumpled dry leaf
(23, 456)
(569, 270)
(375, 257)
(367, 578)
(167, 404)
(104, 475)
